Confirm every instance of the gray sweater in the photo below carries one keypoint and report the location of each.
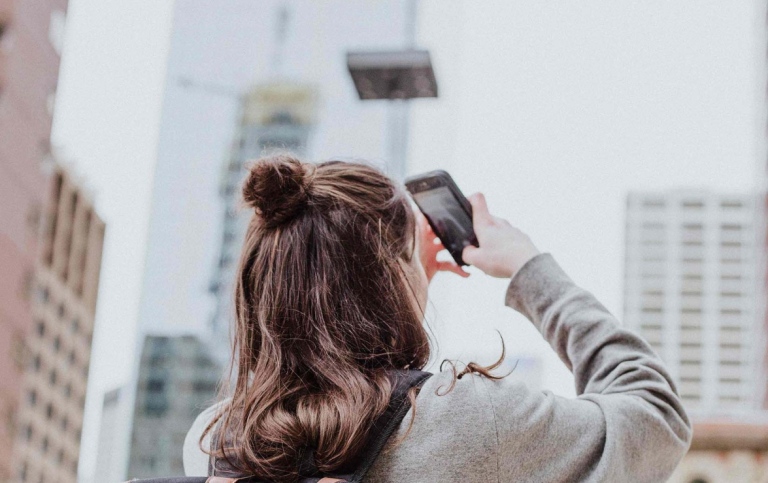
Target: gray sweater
(626, 425)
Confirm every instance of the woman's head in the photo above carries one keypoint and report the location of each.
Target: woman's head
(328, 297)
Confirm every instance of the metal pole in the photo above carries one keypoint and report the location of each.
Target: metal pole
(399, 109)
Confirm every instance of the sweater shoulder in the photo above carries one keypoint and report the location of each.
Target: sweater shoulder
(469, 410)
(195, 460)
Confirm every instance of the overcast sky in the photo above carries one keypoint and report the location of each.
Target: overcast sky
(555, 110)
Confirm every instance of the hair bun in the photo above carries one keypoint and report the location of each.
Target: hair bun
(276, 189)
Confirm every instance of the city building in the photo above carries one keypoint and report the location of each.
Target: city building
(177, 380)
(31, 35)
(57, 350)
(274, 117)
(735, 451)
(691, 290)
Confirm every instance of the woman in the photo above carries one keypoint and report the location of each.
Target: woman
(330, 297)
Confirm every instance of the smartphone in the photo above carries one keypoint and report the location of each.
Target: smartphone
(447, 210)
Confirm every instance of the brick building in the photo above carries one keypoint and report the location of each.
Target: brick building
(49, 417)
(31, 34)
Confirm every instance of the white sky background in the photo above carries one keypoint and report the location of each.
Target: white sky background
(554, 110)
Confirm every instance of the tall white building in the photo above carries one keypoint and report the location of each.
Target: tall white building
(692, 290)
(276, 116)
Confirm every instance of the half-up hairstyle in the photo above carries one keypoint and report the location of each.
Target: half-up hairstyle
(323, 309)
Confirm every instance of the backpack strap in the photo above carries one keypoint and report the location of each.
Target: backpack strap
(381, 430)
(390, 420)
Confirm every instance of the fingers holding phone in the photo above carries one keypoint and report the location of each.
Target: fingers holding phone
(446, 209)
(502, 249)
(467, 229)
(429, 246)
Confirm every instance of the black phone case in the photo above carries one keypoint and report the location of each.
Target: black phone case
(446, 180)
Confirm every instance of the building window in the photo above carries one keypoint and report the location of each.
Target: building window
(653, 203)
(205, 387)
(693, 204)
(43, 294)
(730, 380)
(32, 397)
(41, 328)
(155, 385)
(155, 405)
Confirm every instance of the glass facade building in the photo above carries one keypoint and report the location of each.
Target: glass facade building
(177, 380)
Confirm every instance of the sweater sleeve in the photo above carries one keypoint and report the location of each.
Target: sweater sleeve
(627, 422)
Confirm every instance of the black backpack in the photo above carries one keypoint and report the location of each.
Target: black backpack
(221, 472)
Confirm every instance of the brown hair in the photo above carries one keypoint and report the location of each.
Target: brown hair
(323, 309)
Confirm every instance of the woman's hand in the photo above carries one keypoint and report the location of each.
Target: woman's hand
(429, 247)
(503, 248)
